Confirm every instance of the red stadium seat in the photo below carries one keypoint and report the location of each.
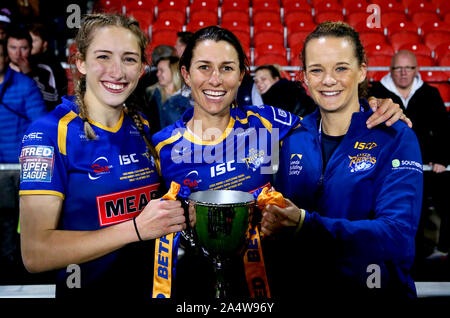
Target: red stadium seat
(434, 76)
(300, 26)
(398, 26)
(435, 38)
(243, 37)
(414, 6)
(378, 61)
(445, 60)
(296, 6)
(327, 6)
(352, 6)
(234, 15)
(108, 6)
(329, 16)
(417, 48)
(433, 26)
(205, 15)
(268, 37)
(447, 18)
(379, 49)
(236, 25)
(144, 17)
(297, 17)
(368, 38)
(356, 18)
(211, 5)
(400, 38)
(270, 49)
(387, 18)
(271, 59)
(173, 15)
(268, 26)
(296, 40)
(419, 18)
(235, 5)
(266, 16)
(423, 60)
(441, 50)
(166, 24)
(179, 5)
(166, 37)
(266, 5)
(365, 27)
(389, 6)
(201, 21)
(139, 4)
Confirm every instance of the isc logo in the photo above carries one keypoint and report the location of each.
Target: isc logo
(127, 159)
(365, 145)
(222, 168)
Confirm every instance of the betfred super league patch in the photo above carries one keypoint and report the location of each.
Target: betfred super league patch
(36, 163)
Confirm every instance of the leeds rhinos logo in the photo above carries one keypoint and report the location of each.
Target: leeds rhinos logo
(255, 159)
(361, 162)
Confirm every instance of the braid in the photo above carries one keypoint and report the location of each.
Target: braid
(79, 93)
(133, 113)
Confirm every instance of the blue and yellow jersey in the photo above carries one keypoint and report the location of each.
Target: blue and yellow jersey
(102, 182)
(243, 157)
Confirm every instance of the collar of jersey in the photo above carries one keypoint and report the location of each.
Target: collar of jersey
(187, 135)
(110, 129)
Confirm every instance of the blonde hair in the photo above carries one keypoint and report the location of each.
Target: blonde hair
(83, 39)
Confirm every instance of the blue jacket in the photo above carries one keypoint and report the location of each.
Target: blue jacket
(367, 200)
(21, 103)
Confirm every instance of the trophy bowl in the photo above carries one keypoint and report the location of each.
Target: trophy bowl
(222, 220)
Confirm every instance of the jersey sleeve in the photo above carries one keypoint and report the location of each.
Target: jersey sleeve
(42, 167)
(276, 120)
(391, 232)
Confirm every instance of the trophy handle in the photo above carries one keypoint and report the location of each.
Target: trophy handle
(188, 233)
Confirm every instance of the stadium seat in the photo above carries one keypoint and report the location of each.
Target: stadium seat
(415, 6)
(234, 15)
(441, 50)
(417, 48)
(403, 26)
(446, 18)
(235, 5)
(368, 38)
(270, 49)
(265, 5)
(434, 76)
(166, 24)
(204, 15)
(243, 37)
(179, 5)
(206, 5)
(435, 38)
(419, 18)
(236, 25)
(172, 15)
(166, 37)
(355, 18)
(268, 26)
(388, 18)
(378, 61)
(268, 37)
(433, 26)
(400, 38)
(266, 16)
(379, 49)
(327, 6)
(328, 16)
(423, 60)
(300, 26)
(389, 6)
(271, 59)
(108, 6)
(297, 17)
(296, 6)
(365, 27)
(139, 4)
(296, 40)
(353, 6)
(144, 17)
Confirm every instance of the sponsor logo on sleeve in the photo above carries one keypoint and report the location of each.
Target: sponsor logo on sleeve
(295, 165)
(398, 164)
(36, 163)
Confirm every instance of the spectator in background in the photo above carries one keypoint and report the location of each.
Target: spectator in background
(423, 104)
(5, 22)
(42, 55)
(181, 42)
(165, 96)
(281, 92)
(19, 45)
(20, 103)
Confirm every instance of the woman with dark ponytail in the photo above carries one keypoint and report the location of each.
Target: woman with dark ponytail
(89, 178)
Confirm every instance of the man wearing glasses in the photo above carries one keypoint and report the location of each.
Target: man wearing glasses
(423, 104)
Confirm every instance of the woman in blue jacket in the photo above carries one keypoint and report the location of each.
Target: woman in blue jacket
(359, 189)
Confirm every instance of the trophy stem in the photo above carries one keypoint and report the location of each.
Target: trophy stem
(220, 283)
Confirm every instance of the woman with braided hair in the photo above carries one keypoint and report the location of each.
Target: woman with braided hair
(89, 180)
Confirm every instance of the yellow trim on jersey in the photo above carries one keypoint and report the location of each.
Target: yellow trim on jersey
(62, 131)
(144, 121)
(110, 129)
(44, 192)
(167, 141)
(264, 121)
(198, 141)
